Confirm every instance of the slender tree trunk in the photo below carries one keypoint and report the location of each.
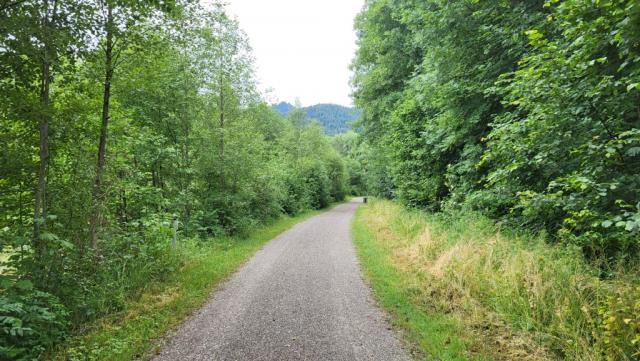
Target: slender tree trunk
(186, 178)
(40, 209)
(221, 150)
(154, 182)
(187, 184)
(20, 204)
(102, 147)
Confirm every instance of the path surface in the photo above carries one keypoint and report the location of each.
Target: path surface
(299, 298)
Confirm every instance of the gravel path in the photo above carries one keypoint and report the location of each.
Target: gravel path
(299, 298)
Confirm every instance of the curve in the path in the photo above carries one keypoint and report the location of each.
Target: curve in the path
(301, 297)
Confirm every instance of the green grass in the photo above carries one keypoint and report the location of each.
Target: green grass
(132, 333)
(427, 334)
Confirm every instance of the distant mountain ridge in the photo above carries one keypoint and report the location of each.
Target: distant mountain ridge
(334, 118)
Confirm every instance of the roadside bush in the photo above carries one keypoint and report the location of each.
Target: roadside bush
(317, 185)
(337, 173)
(295, 199)
(95, 284)
(618, 323)
(31, 320)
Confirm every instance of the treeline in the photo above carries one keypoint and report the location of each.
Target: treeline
(528, 111)
(116, 117)
(334, 118)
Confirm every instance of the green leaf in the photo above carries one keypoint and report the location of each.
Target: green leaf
(48, 236)
(24, 285)
(533, 35)
(631, 225)
(633, 151)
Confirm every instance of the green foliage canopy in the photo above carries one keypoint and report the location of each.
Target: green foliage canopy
(525, 110)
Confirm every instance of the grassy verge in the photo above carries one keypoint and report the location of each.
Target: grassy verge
(428, 333)
(131, 333)
(461, 289)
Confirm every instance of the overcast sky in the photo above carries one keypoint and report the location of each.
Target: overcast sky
(302, 48)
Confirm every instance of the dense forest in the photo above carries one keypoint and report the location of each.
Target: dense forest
(335, 119)
(526, 113)
(118, 117)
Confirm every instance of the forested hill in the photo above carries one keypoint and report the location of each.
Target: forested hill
(334, 118)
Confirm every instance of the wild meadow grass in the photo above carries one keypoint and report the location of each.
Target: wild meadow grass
(134, 332)
(462, 289)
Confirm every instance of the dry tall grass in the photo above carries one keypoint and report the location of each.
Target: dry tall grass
(518, 297)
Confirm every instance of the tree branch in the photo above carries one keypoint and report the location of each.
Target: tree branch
(11, 4)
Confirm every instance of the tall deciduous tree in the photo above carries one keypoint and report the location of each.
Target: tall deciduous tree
(35, 37)
(117, 20)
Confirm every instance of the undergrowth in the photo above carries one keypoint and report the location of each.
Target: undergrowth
(132, 333)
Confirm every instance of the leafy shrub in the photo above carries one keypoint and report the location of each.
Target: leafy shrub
(619, 323)
(337, 173)
(31, 320)
(317, 185)
(295, 198)
(568, 147)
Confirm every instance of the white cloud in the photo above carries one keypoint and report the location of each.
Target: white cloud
(302, 48)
